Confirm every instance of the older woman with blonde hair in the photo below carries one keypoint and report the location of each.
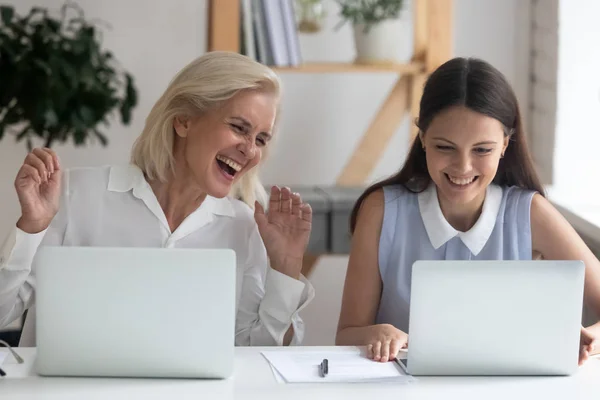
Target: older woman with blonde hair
(192, 183)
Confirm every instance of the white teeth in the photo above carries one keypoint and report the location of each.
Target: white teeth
(237, 167)
(461, 181)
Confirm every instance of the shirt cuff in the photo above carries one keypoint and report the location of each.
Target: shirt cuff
(307, 294)
(282, 295)
(19, 248)
(283, 300)
(285, 296)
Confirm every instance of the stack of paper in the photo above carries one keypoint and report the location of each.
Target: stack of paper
(294, 366)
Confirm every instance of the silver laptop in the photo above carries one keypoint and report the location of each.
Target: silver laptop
(135, 312)
(495, 317)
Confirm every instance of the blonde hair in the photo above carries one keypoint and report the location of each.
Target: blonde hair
(203, 85)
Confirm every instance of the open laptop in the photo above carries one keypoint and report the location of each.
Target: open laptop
(495, 318)
(135, 312)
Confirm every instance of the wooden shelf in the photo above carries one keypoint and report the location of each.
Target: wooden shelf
(410, 68)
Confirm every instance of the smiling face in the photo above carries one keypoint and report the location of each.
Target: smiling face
(221, 145)
(463, 149)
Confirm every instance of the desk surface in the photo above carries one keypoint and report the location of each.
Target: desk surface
(253, 379)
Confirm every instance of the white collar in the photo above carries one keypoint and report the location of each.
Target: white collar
(131, 177)
(440, 231)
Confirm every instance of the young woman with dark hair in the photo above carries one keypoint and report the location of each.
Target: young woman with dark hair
(468, 190)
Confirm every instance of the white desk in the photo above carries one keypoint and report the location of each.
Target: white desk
(253, 380)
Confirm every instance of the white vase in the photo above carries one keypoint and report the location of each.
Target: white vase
(382, 44)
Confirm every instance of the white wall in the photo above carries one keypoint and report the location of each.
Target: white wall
(578, 88)
(498, 32)
(565, 92)
(324, 115)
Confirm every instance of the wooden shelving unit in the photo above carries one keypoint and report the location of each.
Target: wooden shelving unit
(432, 24)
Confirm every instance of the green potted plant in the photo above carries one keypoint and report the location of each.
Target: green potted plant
(377, 29)
(56, 81)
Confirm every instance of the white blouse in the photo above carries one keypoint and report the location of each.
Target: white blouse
(115, 206)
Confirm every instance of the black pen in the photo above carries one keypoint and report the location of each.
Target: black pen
(324, 368)
(2, 373)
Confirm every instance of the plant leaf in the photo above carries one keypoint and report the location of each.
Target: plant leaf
(24, 132)
(130, 100)
(56, 79)
(6, 13)
(51, 117)
(103, 140)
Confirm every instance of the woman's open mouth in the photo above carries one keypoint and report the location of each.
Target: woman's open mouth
(228, 166)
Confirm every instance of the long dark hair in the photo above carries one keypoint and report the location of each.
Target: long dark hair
(476, 85)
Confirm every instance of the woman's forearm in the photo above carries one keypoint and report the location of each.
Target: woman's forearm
(595, 331)
(353, 336)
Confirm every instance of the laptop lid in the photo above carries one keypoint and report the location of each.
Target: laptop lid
(138, 312)
(495, 317)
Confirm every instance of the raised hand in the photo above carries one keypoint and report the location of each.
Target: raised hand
(285, 230)
(38, 185)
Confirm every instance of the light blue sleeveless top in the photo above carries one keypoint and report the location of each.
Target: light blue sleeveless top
(414, 228)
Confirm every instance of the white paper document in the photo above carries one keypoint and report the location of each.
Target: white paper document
(294, 366)
(3, 355)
